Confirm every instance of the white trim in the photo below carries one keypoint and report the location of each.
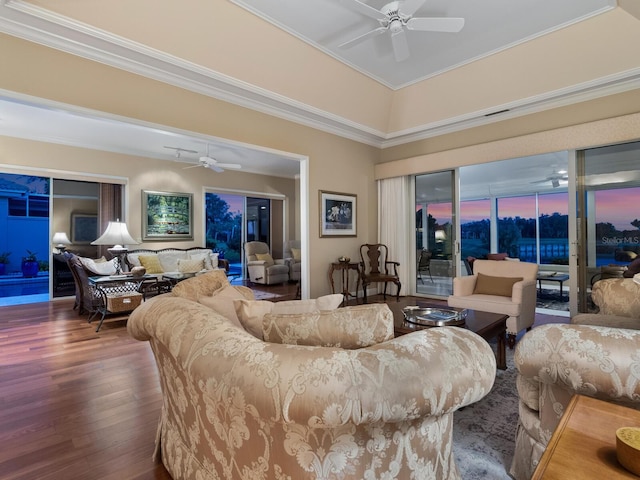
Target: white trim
(63, 174)
(41, 26)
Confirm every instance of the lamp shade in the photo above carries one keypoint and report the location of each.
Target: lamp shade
(60, 239)
(116, 234)
(440, 236)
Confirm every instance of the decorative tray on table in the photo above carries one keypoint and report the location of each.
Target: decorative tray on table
(434, 317)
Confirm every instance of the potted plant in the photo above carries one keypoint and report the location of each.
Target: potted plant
(30, 265)
(4, 261)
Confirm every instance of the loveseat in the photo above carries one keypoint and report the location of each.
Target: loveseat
(241, 405)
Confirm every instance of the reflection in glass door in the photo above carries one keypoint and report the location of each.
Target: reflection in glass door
(435, 235)
(608, 199)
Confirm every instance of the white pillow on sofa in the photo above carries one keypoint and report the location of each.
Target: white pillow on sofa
(169, 260)
(99, 266)
(210, 259)
(251, 312)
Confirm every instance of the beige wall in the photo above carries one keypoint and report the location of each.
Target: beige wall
(335, 163)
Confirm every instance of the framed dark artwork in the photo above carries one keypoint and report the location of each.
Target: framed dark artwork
(167, 216)
(337, 214)
(84, 228)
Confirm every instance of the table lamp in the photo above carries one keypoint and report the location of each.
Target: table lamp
(60, 240)
(116, 234)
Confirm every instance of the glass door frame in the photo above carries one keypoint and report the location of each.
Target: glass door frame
(451, 244)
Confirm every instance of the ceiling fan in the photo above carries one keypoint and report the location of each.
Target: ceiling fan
(210, 162)
(397, 17)
(555, 178)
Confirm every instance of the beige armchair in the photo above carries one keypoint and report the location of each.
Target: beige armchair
(500, 286)
(262, 267)
(555, 362)
(293, 259)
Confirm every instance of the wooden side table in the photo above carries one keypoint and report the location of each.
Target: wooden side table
(584, 443)
(344, 268)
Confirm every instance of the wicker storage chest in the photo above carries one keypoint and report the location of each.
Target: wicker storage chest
(123, 302)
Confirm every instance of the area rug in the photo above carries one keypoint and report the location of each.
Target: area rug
(262, 295)
(484, 433)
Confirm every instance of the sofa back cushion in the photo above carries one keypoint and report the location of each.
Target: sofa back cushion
(222, 301)
(350, 327)
(201, 285)
(251, 313)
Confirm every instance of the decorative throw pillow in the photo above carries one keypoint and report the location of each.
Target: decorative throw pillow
(251, 313)
(488, 285)
(210, 259)
(203, 285)
(266, 257)
(169, 259)
(222, 301)
(351, 327)
(151, 263)
(190, 265)
(496, 256)
(99, 266)
(296, 254)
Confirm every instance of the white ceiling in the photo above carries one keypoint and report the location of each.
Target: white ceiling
(490, 26)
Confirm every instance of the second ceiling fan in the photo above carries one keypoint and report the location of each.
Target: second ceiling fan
(209, 162)
(397, 17)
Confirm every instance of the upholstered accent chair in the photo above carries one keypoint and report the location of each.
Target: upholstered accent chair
(500, 286)
(262, 267)
(236, 406)
(375, 267)
(293, 259)
(555, 362)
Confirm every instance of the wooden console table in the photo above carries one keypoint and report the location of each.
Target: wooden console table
(584, 443)
(344, 268)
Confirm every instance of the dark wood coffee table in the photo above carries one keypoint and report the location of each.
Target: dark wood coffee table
(487, 325)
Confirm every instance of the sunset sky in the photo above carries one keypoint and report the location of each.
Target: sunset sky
(618, 207)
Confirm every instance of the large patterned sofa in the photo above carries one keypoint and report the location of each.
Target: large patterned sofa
(241, 402)
(596, 355)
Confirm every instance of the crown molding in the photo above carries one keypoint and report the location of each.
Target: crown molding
(35, 24)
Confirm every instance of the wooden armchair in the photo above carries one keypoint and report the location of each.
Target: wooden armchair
(375, 267)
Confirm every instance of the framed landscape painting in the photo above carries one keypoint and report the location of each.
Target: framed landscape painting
(167, 216)
(337, 214)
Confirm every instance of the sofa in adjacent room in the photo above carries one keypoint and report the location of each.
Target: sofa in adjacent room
(303, 389)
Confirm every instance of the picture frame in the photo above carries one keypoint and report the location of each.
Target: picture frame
(167, 216)
(84, 228)
(338, 214)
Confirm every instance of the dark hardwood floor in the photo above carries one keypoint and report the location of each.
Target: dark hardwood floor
(76, 404)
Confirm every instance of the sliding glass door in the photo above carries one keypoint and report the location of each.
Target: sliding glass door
(608, 199)
(233, 219)
(435, 233)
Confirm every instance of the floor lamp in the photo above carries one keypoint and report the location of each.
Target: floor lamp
(117, 235)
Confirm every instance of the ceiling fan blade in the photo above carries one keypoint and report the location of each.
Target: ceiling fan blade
(192, 166)
(400, 46)
(365, 9)
(355, 41)
(409, 7)
(229, 166)
(215, 168)
(436, 24)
